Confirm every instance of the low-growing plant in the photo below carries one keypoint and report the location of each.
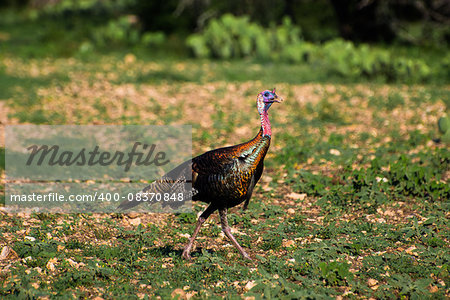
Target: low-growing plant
(186, 218)
(272, 242)
(418, 180)
(335, 273)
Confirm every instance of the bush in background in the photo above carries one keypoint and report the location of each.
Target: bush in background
(237, 37)
(69, 27)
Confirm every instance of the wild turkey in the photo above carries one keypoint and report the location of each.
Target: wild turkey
(223, 177)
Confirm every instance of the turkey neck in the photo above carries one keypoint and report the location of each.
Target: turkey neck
(265, 124)
(255, 150)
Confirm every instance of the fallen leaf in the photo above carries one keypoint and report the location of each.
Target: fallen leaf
(267, 188)
(434, 289)
(411, 249)
(141, 295)
(190, 294)
(335, 152)
(8, 253)
(372, 283)
(135, 222)
(288, 243)
(296, 196)
(249, 285)
(266, 179)
(71, 262)
(129, 58)
(381, 179)
(179, 293)
(51, 264)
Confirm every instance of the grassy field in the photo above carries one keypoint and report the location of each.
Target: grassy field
(353, 202)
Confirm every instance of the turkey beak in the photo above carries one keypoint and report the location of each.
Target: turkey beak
(277, 99)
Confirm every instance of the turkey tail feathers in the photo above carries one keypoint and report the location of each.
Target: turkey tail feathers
(166, 191)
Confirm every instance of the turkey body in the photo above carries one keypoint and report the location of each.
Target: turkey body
(223, 177)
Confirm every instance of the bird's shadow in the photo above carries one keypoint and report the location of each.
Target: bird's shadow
(170, 251)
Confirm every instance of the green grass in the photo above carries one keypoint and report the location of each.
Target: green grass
(373, 224)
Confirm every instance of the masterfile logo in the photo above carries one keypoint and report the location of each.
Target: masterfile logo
(55, 156)
(75, 169)
(44, 152)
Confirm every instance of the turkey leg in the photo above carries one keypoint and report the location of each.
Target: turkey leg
(187, 250)
(226, 229)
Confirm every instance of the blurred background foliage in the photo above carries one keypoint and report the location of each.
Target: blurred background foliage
(394, 40)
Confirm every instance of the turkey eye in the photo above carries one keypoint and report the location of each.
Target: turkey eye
(266, 95)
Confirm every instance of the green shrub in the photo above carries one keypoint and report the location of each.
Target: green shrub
(120, 31)
(157, 38)
(235, 37)
(198, 45)
(346, 59)
(123, 32)
(341, 57)
(299, 52)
